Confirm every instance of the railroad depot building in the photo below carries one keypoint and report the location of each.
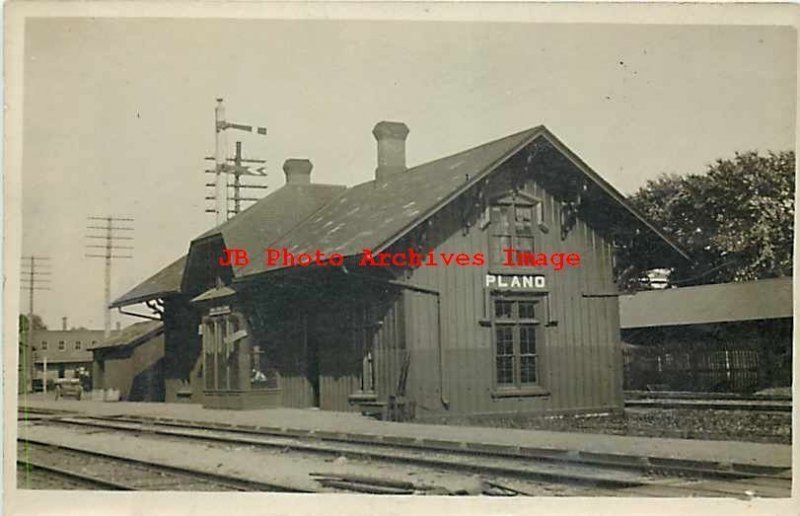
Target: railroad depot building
(471, 338)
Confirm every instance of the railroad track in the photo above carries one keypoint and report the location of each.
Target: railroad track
(97, 470)
(602, 473)
(707, 400)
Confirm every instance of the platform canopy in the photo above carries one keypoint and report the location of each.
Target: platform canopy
(706, 304)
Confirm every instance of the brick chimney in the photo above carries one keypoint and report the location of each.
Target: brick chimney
(298, 171)
(391, 138)
(64, 323)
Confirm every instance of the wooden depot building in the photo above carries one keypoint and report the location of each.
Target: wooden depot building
(473, 337)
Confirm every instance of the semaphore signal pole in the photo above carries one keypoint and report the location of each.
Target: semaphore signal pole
(31, 277)
(238, 170)
(107, 234)
(222, 168)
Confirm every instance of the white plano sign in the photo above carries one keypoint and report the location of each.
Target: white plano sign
(513, 281)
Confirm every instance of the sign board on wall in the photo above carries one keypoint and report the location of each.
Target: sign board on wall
(515, 281)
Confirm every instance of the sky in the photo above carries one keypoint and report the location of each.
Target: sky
(119, 113)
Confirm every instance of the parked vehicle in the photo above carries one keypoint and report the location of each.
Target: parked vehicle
(68, 387)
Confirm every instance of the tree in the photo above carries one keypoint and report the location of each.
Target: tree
(736, 221)
(38, 323)
(25, 355)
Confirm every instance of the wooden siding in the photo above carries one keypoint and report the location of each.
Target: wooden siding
(580, 359)
(329, 334)
(296, 392)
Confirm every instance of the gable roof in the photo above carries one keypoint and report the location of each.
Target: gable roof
(370, 214)
(704, 304)
(373, 215)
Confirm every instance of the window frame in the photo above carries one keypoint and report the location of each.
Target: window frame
(220, 372)
(512, 202)
(516, 387)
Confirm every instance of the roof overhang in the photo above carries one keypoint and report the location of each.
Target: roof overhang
(708, 304)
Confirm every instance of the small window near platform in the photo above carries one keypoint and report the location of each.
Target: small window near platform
(62, 346)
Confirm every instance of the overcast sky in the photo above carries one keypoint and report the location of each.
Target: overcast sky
(118, 114)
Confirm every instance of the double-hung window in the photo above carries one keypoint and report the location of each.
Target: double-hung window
(516, 330)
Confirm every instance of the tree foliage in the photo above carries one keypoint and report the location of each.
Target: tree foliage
(735, 221)
(38, 324)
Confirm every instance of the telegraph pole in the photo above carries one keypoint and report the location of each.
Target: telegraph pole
(222, 168)
(34, 267)
(105, 230)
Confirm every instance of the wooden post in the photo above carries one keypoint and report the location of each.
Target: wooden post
(216, 354)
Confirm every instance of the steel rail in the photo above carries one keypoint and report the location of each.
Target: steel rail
(598, 479)
(73, 475)
(642, 464)
(237, 483)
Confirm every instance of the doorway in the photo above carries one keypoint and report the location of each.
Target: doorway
(312, 369)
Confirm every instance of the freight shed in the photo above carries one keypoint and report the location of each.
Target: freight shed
(728, 337)
(131, 362)
(472, 337)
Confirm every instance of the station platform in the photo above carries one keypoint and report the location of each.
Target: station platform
(732, 452)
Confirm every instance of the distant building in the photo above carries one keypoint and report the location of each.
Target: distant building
(131, 362)
(65, 351)
(734, 337)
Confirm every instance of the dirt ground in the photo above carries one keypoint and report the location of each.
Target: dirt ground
(723, 425)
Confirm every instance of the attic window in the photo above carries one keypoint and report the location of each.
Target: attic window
(512, 220)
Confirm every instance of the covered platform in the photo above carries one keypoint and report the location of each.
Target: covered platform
(733, 452)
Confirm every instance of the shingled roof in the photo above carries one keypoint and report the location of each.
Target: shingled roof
(372, 215)
(262, 222)
(164, 282)
(271, 217)
(132, 335)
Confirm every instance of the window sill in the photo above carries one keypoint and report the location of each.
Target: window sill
(526, 392)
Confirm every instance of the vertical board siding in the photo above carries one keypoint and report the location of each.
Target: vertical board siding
(580, 358)
(334, 392)
(296, 392)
